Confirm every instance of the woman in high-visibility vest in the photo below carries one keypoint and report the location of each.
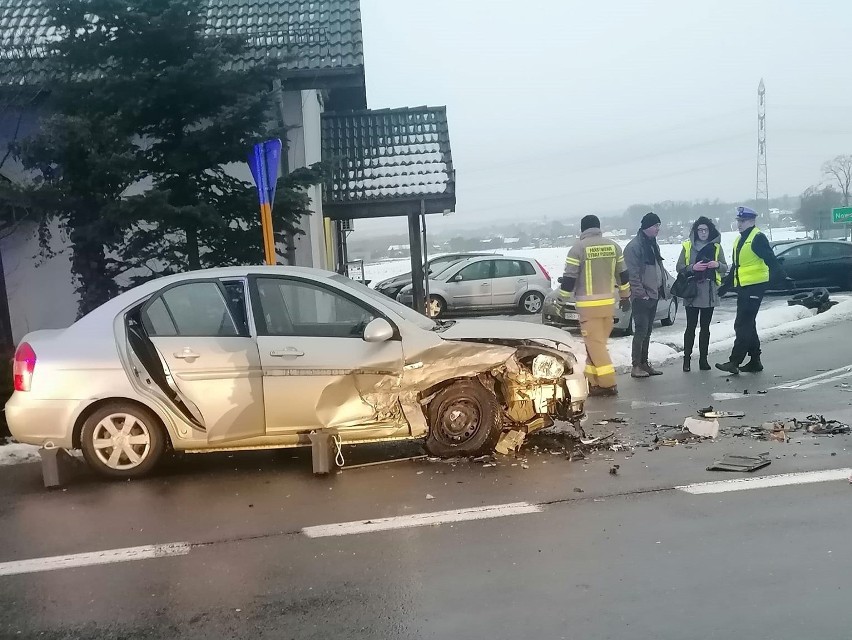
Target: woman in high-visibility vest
(703, 258)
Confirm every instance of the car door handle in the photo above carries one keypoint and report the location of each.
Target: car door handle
(485, 284)
(287, 352)
(187, 354)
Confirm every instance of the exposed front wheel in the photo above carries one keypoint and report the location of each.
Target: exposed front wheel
(123, 440)
(464, 420)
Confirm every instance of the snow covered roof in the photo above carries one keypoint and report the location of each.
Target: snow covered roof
(314, 38)
(385, 157)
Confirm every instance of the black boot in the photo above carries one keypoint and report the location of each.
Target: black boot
(687, 364)
(703, 348)
(753, 366)
(729, 367)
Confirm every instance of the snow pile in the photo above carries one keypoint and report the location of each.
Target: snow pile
(16, 453)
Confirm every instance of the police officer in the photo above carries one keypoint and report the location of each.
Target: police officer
(591, 269)
(754, 266)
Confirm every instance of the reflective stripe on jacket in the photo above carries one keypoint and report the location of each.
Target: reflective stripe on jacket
(687, 250)
(595, 264)
(749, 267)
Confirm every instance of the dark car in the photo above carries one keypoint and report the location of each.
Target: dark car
(817, 263)
(392, 286)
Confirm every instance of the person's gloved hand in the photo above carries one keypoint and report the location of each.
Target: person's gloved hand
(624, 304)
(698, 267)
(712, 265)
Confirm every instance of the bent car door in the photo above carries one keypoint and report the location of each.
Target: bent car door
(318, 370)
(471, 286)
(209, 357)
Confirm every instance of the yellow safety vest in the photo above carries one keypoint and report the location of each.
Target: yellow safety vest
(687, 250)
(750, 268)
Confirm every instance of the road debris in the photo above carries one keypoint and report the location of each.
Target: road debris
(349, 467)
(708, 412)
(613, 470)
(510, 442)
(818, 425)
(702, 428)
(429, 496)
(591, 441)
(731, 462)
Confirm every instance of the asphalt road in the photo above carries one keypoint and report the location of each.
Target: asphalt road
(587, 553)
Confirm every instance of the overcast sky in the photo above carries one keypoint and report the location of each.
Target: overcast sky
(565, 107)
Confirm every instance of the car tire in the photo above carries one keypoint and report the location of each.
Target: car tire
(670, 319)
(532, 302)
(464, 420)
(140, 449)
(437, 306)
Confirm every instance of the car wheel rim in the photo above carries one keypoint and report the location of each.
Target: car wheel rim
(459, 422)
(434, 308)
(121, 441)
(672, 312)
(532, 304)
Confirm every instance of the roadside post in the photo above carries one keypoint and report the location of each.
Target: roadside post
(843, 215)
(265, 164)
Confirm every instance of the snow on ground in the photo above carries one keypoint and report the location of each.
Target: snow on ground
(553, 258)
(16, 453)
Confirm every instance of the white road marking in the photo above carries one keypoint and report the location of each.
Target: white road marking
(421, 519)
(109, 556)
(818, 379)
(763, 482)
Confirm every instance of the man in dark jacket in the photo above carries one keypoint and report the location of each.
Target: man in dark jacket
(647, 288)
(754, 267)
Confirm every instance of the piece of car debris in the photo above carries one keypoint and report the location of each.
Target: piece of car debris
(739, 463)
(709, 413)
(429, 496)
(702, 428)
(613, 470)
(588, 441)
(510, 442)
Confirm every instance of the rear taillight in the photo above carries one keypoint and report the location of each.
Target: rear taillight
(25, 361)
(543, 270)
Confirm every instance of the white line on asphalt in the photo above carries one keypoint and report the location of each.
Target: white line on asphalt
(421, 519)
(763, 482)
(109, 556)
(818, 379)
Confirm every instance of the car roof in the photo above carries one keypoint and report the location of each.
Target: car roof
(808, 241)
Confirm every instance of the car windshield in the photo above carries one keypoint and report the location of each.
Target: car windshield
(440, 269)
(398, 309)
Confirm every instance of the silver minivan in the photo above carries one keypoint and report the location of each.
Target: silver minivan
(483, 283)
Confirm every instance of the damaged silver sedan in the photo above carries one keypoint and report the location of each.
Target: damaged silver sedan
(262, 357)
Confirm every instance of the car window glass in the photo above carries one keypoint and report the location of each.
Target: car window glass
(293, 308)
(194, 309)
(801, 252)
(157, 320)
(526, 268)
(833, 250)
(235, 290)
(477, 271)
(406, 313)
(507, 269)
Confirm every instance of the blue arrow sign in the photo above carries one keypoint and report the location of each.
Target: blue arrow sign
(265, 164)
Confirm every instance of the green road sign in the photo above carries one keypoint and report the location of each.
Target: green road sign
(843, 214)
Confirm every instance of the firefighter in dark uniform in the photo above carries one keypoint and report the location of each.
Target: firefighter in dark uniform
(754, 267)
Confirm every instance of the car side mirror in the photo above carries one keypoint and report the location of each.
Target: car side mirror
(378, 330)
(457, 278)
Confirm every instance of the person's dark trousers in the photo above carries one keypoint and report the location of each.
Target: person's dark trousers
(693, 315)
(643, 321)
(745, 326)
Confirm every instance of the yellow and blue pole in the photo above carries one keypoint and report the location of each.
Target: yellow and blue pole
(264, 163)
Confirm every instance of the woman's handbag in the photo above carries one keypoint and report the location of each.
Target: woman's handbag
(684, 286)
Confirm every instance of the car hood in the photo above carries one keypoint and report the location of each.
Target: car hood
(509, 332)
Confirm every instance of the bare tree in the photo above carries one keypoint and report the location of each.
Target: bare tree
(839, 170)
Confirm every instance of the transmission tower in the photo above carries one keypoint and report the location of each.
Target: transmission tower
(762, 189)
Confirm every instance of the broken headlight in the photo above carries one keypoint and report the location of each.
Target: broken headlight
(546, 367)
